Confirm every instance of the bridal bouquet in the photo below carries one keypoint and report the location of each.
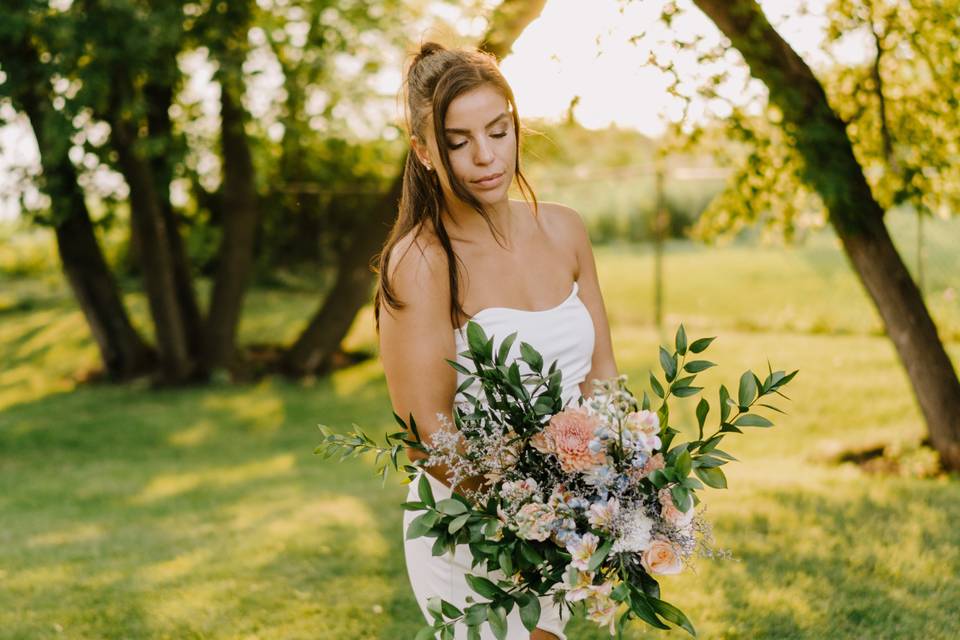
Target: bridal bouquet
(588, 504)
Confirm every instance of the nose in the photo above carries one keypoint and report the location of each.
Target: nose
(484, 152)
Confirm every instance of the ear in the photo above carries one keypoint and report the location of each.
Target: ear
(423, 155)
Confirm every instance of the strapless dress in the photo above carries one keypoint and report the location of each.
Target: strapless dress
(563, 333)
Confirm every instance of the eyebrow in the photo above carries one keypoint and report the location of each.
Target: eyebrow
(466, 131)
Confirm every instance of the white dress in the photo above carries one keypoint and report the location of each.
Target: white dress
(564, 333)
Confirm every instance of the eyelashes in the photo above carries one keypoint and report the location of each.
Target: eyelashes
(457, 146)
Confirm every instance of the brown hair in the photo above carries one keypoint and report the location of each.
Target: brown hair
(433, 80)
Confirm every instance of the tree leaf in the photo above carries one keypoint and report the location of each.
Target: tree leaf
(672, 614)
(531, 356)
(686, 392)
(529, 611)
(668, 363)
(451, 507)
(696, 366)
(752, 420)
(703, 408)
(699, 345)
(424, 491)
(504, 349)
(712, 477)
(483, 586)
(748, 388)
(681, 340)
(497, 619)
(457, 523)
(655, 385)
(476, 339)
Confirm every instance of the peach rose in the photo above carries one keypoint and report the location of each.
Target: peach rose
(661, 558)
(568, 436)
(653, 463)
(670, 512)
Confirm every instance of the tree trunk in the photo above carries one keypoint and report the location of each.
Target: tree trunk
(158, 97)
(315, 346)
(832, 170)
(122, 350)
(177, 363)
(235, 262)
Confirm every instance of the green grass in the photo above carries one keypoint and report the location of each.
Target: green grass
(202, 513)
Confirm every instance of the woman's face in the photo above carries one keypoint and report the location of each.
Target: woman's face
(481, 142)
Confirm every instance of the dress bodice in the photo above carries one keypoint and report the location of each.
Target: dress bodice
(563, 333)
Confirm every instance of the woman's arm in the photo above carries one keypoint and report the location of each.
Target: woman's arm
(603, 364)
(416, 341)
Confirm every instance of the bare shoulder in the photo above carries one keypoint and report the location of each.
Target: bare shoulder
(564, 222)
(418, 271)
(566, 228)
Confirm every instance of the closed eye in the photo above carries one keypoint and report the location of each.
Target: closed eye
(450, 145)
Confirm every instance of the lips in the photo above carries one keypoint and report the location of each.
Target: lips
(489, 181)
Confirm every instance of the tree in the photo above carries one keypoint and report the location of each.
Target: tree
(27, 38)
(829, 166)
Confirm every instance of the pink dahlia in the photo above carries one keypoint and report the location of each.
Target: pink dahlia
(568, 436)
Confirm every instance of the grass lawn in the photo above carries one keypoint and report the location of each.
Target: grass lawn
(203, 513)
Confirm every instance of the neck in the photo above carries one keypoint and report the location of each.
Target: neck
(465, 222)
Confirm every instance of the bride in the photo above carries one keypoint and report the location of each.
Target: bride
(461, 249)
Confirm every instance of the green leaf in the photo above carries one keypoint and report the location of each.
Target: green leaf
(681, 497)
(424, 490)
(686, 392)
(712, 477)
(476, 338)
(473, 633)
(641, 606)
(421, 525)
(598, 556)
(531, 357)
(435, 607)
(531, 554)
(497, 618)
(459, 367)
(672, 614)
(696, 366)
(413, 506)
(668, 363)
(529, 611)
(645, 403)
(475, 615)
(504, 349)
(505, 560)
(724, 405)
(457, 523)
(426, 633)
(701, 344)
(449, 610)
(748, 389)
(483, 586)
(682, 382)
(655, 385)
(681, 340)
(703, 408)
(684, 464)
(752, 420)
(451, 507)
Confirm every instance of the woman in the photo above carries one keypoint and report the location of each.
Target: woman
(461, 249)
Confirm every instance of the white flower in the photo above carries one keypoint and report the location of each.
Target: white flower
(582, 549)
(635, 534)
(642, 428)
(602, 514)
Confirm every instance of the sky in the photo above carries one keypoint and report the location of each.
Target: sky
(583, 48)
